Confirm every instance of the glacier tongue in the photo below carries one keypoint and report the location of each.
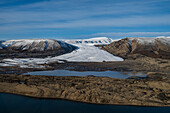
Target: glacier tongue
(86, 52)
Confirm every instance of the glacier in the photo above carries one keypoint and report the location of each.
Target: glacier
(85, 52)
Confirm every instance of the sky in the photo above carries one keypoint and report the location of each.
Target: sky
(77, 19)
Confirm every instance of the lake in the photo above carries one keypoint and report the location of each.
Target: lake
(112, 74)
(10, 103)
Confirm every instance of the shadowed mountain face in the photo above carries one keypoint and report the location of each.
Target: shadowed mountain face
(134, 47)
(33, 48)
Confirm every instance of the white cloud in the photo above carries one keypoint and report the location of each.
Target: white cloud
(75, 14)
(116, 35)
(73, 10)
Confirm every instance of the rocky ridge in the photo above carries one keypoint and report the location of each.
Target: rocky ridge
(136, 47)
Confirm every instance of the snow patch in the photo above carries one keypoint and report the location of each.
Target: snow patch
(144, 40)
(165, 41)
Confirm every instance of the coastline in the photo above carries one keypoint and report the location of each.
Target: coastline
(99, 92)
(47, 98)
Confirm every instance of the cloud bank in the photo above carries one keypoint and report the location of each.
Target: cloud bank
(116, 35)
(71, 16)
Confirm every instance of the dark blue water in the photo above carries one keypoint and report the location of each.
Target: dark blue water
(19, 104)
(112, 74)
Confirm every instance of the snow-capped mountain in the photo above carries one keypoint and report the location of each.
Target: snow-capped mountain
(152, 47)
(35, 44)
(82, 50)
(34, 47)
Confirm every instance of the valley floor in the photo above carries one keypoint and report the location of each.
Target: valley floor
(150, 91)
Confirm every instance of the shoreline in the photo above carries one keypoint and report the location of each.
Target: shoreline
(46, 98)
(102, 94)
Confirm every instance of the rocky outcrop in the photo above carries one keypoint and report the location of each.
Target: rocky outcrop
(34, 48)
(136, 47)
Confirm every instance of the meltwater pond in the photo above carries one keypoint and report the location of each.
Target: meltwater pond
(19, 104)
(112, 74)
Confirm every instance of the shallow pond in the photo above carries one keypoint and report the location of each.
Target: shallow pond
(112, 74)
(19, 104)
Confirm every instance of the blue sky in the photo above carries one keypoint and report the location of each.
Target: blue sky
(67, 19)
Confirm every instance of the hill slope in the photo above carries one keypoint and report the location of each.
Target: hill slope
(151, 47)
(34, 48)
